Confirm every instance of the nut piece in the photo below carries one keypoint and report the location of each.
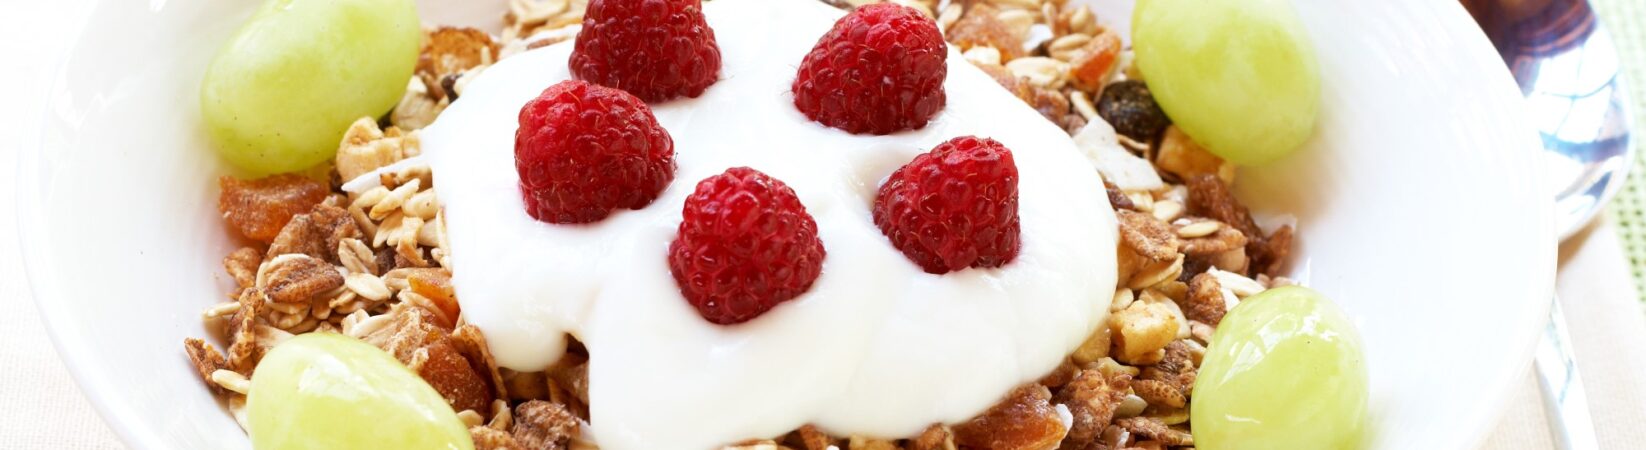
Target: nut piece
(366, 148)
(1024, 420)
(1141, 331)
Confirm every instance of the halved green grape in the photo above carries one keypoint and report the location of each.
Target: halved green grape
(329, 391)
(1284, 370)
(1239, 76)
(278, 97)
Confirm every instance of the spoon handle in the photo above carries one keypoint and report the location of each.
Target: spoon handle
(1564, 401)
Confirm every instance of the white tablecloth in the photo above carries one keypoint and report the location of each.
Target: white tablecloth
(44, 410)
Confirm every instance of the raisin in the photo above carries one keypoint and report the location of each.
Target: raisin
(1130, 107)
(260, 208)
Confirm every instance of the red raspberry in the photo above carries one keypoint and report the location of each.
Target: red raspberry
(655, 49)
(585, 150)
(879, 71)
(745, 244)
(953, 207)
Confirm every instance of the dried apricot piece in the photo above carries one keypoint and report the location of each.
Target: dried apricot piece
(1024, 420)
(259, 208)
(437, 286)
(1096, 60)
(455, 378)
(981, 27)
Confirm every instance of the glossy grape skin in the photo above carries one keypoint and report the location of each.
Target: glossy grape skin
(279, 95)
(1285, 369)
(329, 391)
(1239, 76)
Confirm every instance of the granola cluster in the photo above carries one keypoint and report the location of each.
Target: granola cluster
(373, 264)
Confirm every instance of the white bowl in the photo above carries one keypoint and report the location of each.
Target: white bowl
(1420, 209)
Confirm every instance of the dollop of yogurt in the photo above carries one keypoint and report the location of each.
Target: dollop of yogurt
(877, 347)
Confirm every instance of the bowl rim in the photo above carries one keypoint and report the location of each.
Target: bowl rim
(26, 185)
(123, 422)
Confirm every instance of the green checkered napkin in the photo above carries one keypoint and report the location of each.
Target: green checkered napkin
(1626, 21)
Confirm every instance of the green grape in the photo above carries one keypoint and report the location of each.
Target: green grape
(1239, 76)
(279, 95)
(1284, 370)
(329, 391)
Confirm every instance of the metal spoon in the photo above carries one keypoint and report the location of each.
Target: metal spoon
(1567, 68)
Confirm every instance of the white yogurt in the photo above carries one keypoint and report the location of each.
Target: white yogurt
(876, 347)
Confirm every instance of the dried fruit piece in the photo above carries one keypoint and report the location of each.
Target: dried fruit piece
(1096, 60)
(436, 286)
(1024, 420)
(880, 70)
(1181, 156)
(1130, 107)
(259, 208)
(981, 27)
(454, 377)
